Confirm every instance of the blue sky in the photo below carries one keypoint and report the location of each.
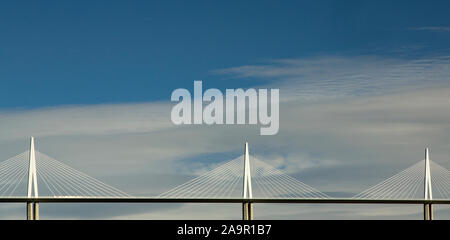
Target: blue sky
(88, 52)
(364, 88)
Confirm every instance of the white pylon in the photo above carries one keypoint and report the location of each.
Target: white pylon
(32, 178)
(428, 189)
(247, 176)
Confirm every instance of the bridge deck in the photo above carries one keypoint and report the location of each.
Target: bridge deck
(218, 200)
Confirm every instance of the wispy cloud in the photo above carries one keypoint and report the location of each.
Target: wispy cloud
(337, 76)
(433, 28)
(84, 120)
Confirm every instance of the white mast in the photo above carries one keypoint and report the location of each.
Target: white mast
(247, 207)
(247, 176)
(428, 193)
(32, 207)
(32, 178)
(427, 181)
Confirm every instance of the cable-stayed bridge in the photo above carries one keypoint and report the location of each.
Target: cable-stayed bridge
(246, 180)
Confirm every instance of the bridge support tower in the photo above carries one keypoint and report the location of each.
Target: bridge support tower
(32, 206)
(247, 207)
(428, 193)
